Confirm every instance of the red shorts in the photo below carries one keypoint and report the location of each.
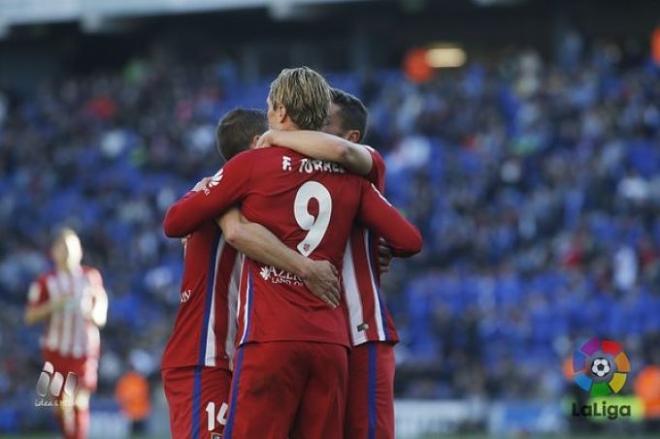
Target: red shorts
(288, 390)
(85, 368)
(198, 401)
(370, 407)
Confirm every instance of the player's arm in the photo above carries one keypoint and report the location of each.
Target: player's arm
(40, 306)
(35, 314)
(354, 157)
(99, 310)
(260, 244)
(378, 214)
(225, 189)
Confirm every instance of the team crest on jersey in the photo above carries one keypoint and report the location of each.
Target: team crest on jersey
(185, 295)
(213, 182)
(278, 276)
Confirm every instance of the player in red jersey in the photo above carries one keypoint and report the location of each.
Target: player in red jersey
(291, 369)
(73, 304)
(196, 365)
(370, 407)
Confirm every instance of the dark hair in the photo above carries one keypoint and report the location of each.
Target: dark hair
(237, 129)
(352, 112)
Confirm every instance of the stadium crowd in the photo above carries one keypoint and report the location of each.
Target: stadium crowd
(536, 185)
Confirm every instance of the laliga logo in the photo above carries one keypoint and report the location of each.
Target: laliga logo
(601, 368)
(52, 383)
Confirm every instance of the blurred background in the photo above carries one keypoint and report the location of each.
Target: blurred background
(521, 136)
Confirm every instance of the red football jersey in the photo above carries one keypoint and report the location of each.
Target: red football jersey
(311, 206)
(205, 326)
(69, 331)
(368, 315)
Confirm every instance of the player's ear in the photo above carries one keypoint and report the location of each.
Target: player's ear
(353, 136)
(281, 113)
(255, 140)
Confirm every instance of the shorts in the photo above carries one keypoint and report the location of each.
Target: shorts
(197, 397)
(288, 389)
(370, 407)
(84, 368)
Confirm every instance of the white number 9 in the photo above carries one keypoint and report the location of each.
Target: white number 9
(316, 227)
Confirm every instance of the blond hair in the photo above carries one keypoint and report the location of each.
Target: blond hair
(305, 94)
(64, 232)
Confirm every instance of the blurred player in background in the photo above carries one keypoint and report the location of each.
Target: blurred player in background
(292, 365)
(370, 402)
(73, 304)
(197, 362)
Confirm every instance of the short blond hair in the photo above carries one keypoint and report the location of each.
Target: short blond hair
(64, 232)
(305, 94)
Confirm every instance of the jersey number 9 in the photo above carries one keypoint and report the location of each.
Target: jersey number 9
(315, 227)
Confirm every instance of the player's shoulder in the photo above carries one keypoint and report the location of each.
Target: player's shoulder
(377, 156)
(266, 161)
(371, 149)
(261, 156)
(41, 283)
(241, 156)
(45, 276)
(272, 151)
(377, 173)
(277, 152)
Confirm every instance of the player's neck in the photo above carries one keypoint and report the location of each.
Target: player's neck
(288, 125)
(68, 268)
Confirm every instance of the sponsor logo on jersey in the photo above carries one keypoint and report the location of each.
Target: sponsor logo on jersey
(278, 276)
